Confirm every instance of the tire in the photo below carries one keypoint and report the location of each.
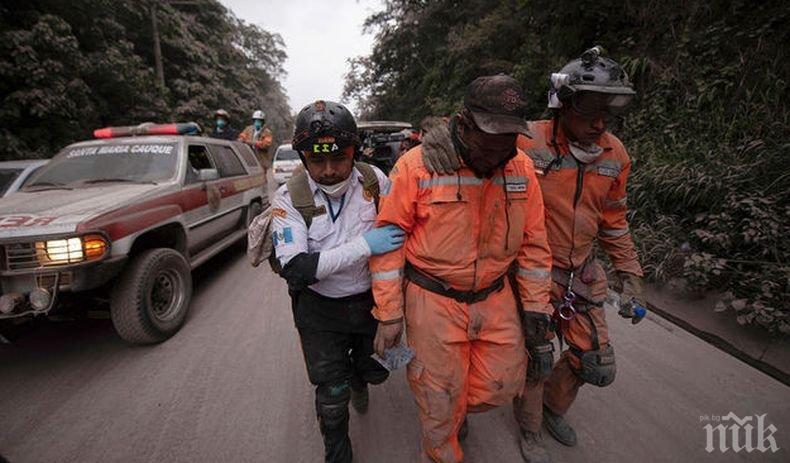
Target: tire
(150, 300)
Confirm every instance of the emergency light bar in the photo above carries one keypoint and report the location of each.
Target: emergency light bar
(148, 128)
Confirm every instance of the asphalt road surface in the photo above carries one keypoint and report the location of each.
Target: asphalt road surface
(232, 387)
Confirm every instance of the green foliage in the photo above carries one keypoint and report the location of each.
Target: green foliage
(709, 133)
(67, 68)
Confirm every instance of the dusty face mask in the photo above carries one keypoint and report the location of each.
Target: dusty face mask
(585, 153)
(337, 190)
(482, 152)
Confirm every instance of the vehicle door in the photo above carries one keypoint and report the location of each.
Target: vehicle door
(231, 187)
(204, 211)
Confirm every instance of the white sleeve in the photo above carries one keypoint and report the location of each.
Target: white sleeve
(289, 232)
(342, 256)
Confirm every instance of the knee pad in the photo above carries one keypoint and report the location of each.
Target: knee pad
(331, 403)
(597, 366)
(541, 361)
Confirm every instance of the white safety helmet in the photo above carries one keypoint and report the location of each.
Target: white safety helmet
(258, 114)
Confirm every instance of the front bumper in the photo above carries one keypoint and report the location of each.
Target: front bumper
(74, 279)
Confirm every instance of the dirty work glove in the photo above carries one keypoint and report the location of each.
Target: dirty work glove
(632, 302)
(438, 152)
(387, 335)
(385, 239)
(536, 328)
(541, 351)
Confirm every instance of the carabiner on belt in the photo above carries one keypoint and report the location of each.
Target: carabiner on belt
(566, 310)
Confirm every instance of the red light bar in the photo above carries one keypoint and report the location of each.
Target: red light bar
(148, 128)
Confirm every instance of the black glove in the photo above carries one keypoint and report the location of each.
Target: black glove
(299, 272)
(541, 350)
(536, 328)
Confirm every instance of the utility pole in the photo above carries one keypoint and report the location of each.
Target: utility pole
(160, 70)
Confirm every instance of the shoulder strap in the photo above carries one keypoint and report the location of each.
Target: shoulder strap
(370, 181)
(302, 198)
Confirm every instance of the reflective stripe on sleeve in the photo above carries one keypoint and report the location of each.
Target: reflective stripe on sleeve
(613, 232)
(534, 273)
(616, 204)
(389, 275)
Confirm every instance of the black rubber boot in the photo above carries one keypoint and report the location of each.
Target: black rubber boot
(532, 449)
(559, 428)
(360, 398)
(463, 431)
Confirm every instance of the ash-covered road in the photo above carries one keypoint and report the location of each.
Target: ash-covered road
(231, 387)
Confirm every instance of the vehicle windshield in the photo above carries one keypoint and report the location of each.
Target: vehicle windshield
(285, 154)
(117, 162)
(7, 177)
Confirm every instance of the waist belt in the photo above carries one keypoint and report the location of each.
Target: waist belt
(437, 286)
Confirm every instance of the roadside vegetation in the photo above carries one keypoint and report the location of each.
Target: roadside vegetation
(67, 68)
(709, 134)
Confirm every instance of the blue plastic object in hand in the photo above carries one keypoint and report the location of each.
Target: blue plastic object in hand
(385, 239)
(634, 311)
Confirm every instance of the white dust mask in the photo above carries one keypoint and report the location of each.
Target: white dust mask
(585, 153)
(337, 190)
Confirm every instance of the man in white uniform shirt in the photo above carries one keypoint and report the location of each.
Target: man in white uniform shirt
(323, 223)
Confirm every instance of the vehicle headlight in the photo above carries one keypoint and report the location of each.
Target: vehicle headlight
(71, 250)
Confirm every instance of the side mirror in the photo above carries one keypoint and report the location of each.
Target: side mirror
(206, 175)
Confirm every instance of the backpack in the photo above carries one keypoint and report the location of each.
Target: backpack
(260, 244)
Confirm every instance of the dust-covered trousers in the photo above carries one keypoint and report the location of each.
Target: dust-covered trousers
(468, 358)
(585, 332)
(337, 343)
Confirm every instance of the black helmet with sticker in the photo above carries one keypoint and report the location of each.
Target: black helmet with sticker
(324, 120)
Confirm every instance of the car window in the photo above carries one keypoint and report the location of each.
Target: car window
(247, 154)
(7, 177)
(198, 158)
(286, 154)
(227, 162)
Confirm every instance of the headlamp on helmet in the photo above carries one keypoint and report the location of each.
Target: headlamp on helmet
(591, 73)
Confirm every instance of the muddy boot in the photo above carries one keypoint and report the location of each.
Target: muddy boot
(559, 428)
(463, 431)
(359, 398)
(532, 449)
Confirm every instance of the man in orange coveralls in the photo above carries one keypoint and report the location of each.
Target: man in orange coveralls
(464, 232)
(582, 170)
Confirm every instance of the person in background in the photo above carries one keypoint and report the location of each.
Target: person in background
(260, 137)
(222, 128)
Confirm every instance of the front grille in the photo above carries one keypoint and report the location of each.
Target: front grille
(21, 256)
(31, 256)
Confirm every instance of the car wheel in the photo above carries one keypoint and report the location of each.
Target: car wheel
(150, 300)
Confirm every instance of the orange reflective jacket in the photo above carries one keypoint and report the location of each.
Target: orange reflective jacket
(464, 230)
(599, 211)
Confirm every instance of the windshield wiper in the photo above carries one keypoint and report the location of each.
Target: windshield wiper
(111, 180)
(47, 186)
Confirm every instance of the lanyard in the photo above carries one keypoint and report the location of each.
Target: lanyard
(339, 209)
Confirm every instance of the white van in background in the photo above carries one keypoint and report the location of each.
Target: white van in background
(286, 159)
